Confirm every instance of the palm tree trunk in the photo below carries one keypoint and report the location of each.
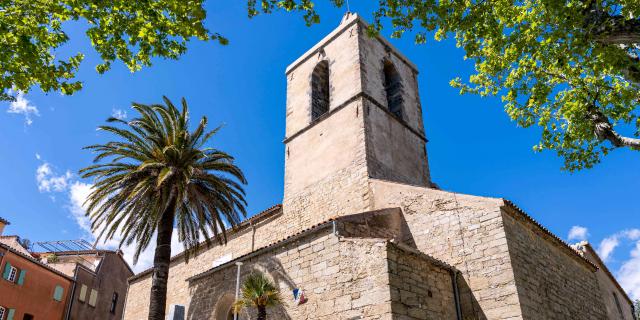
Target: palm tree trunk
(161, 261)
(262, 313)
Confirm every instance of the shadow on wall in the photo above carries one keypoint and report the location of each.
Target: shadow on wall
(469, 306)
(214, 295)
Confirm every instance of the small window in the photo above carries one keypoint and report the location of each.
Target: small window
(27, 317)
(114, 302)
(615, 297)
(93, 297)
(10, 314)
(57, 293)
(393, 89)
(320, 90)
(2, 311)
(12, 274)
(83, 293)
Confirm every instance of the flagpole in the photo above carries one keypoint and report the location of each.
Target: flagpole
(239, 264)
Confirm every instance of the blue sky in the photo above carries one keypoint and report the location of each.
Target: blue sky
(474, 148)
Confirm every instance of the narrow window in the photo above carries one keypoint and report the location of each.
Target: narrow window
(114, 302)
(57, 293)
(83, 293)
(320, 90)
(393, 89)
(10, 314)
(615, 297)
(27, 317)
(93, 297)
(12, 274)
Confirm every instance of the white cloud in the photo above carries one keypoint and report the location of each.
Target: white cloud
(24, 107)
(608, 244)
(49, 181)
(629, 273)
(118, 114)
(578, 233)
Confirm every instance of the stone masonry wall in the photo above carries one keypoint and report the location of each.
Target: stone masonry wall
(239, 243)
(551, 283)
(420, 289)
(466, 232)
(342, 279)
(608, 289)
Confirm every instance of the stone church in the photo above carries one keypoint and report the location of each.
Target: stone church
(362, 230)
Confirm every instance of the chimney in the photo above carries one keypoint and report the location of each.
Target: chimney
(3, 223)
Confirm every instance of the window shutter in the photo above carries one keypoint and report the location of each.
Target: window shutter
(21, 276)
(7, 271)
(10, 314)
(93, 297)
(83, 293)
(57, 293)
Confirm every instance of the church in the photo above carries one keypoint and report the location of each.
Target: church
(363, 232)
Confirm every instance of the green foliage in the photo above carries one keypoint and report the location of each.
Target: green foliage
(130, 31)
(636, 307)
(157, 167)
(258, 292)
(570, 67)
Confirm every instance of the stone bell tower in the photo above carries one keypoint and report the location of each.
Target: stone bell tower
(353, 114)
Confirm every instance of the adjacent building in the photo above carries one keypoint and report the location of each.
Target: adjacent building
(30, 289)
(68, 280)
(364, 232)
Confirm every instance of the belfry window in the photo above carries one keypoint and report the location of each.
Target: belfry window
(393, 89)
(320, 90)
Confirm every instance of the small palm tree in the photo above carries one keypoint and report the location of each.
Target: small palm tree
(258, 292)
(160, 174)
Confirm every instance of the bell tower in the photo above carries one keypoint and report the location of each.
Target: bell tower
(353, 114)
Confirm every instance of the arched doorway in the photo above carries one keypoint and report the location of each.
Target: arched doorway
(224, 307)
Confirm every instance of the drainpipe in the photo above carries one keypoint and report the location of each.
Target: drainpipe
(239, 264)
(456, 294)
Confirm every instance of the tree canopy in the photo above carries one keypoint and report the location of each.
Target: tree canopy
(130, 31)
(570, 67)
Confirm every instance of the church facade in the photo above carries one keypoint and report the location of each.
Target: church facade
(364, 233)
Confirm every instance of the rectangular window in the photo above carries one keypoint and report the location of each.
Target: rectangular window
(10, 314)
(12, 274)
(83, 293)
(93, 297)
(114, 302)
(57, 293)
(2, 310)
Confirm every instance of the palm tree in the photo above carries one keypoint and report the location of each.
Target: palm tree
(259, 292)
(159, 174)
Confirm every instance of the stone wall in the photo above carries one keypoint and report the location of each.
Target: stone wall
(552, 284)
(420, 288)
(242, 242)
(464, 231)
(617, 304)
(342, 279)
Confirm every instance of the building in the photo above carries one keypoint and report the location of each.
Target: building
(99, 276)
(70, 280)
(29, 289)
(362, 229)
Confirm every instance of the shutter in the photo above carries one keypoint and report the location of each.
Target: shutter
(83, 293)
(10, 314)
(21, 276)
(93, 297)
(7, 271)
(57, 293)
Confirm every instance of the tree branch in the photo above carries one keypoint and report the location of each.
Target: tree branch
(603, 130)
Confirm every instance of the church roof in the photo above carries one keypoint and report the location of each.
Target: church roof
(243, 225)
